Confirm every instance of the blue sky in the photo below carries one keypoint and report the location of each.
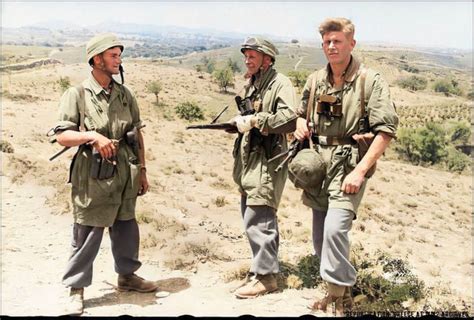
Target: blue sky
(425, 24)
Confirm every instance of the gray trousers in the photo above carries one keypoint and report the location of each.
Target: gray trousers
(331, 245)
(261, 227)
(125, 240)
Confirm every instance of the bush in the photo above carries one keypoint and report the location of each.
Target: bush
(384, 290)
(413, 83)
(308, 271)
(189, 111)
(460, 133)
(425, 144)
(298, 78)
(447, 87)
(457, 161)
(6, 146)
(64, 83)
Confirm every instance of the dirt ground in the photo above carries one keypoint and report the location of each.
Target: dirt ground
(192, 240)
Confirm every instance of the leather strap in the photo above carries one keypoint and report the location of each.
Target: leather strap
(363, 75)
(82, 107)
(309, 109)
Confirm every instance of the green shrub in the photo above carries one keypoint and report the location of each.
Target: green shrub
(425, 144)
(64, 83)
(308, 271)
(386, 290)
(413, 83)
(447, 87)
(298, 78)
(460, 133)
(457, 161)
(189, 111)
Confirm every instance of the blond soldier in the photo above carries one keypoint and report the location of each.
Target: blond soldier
(262, 136)
(338, 124)
(108, 171)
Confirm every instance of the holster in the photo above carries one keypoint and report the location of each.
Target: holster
(102, 168)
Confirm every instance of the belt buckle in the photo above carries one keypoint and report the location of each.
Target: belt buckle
(323, 140)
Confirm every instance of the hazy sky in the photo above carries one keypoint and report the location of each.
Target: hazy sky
(441, 24)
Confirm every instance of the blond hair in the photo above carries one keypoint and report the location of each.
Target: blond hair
(337, 24)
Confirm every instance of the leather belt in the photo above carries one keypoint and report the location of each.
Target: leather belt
(332, 140)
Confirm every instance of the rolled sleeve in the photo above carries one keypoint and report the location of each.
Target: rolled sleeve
(381, 110)
(68, 118)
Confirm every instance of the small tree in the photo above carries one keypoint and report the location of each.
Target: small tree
(233, 65)
(209, 64)
(64, 83)
(155, 88)
(224, 78)
(447, 87)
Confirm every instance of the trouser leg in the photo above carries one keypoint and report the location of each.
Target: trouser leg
(261, 226)
(318, 231)
(85, 246)
(335, 265)
(125, 242)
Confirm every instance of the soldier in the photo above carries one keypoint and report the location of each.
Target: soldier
(107, 173)
(351, 103)
(262, 136)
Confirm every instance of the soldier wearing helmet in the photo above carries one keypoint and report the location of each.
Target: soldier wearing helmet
(351, 115)
(107, 173)
(262, 135)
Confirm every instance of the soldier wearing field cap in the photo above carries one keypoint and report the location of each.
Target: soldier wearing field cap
(262, 135)
(352, 123)
(107, 173)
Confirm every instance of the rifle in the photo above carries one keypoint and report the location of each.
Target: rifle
(243, 105)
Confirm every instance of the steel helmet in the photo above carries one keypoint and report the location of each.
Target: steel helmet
(260, 45)
(307, 170)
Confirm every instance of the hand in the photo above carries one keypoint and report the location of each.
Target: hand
(244, 123)
(352, 182)
(144, 186)
(302, 132)
(103, 145)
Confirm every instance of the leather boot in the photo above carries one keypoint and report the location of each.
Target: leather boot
(334, 299)
(75, 306)
(132, 282)
(257, 286)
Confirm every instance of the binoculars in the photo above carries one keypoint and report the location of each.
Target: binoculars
(329, 106)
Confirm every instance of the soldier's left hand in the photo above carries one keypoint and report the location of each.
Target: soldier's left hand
(352, 182)
(143, 183)
(243, 123)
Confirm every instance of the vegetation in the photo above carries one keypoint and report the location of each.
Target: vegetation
(209, 64)
(224, 78)
(433, 144)
(64, 83)
(413, 83)
(298, 78)
(155, 88)
(189, 111)
(233, 65)
(447, 87)
(6, 146)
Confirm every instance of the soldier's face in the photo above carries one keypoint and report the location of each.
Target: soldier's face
(112, 59)
(338, 47)
(253, 61)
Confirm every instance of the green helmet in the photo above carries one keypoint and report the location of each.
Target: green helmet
(307, 170)
(260, 45)
(100, 43)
